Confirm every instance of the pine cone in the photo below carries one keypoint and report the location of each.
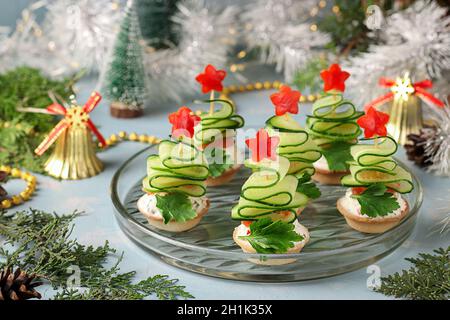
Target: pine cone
(3, 176)
(18, 285)
(415, 150)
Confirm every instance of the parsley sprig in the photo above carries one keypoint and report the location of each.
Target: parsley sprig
(216, 168)
(375, 201)
(267, 236)
(307, 187)
(338, 155)
(175, 206)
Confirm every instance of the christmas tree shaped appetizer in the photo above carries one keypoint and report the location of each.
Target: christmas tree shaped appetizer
(333, 127)
(373, 203)
(269, 202)
(216, 132)
(295, 143)
(175, 182)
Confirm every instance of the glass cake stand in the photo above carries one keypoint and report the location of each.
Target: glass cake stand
(209, 249)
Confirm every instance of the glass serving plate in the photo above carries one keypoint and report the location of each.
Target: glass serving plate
(209, 249)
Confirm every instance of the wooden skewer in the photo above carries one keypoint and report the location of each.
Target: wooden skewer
(211, 104)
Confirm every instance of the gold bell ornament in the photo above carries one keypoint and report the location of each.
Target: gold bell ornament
(73, 156)
(405, 105)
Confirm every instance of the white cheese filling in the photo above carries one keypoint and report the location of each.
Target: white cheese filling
(147, 204)
(354, 208)
(243, 230)
(322, 164)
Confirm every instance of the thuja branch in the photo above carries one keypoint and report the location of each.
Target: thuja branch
(41, 243)
(427, 279)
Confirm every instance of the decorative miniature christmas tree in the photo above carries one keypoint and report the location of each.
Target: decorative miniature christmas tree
(125, 78)
(157, 27)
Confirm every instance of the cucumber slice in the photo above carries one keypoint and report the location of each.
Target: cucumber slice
(246, 209)
(178, 167)
(398, 179)
(284, 123)
(215, 125)
(333, 119)
(375, 154)
(287, 216)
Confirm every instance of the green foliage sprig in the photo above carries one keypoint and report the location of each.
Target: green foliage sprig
(427, 279)
(27, 87)
(21, 132)
(40, 242)
(309, 75)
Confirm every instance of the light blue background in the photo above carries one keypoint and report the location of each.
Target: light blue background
(98, 223)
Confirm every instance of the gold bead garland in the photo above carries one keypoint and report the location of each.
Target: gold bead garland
(266, 85)
(26, 194)
(124, 136)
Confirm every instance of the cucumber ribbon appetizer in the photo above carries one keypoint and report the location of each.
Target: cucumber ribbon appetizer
(295, 144)
(216, 131)
(375, 177)
(215, 134)
(269, 201)
(333, 120)
(176, 175)
(279, 188)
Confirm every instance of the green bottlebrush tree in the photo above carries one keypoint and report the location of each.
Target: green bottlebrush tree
(125, 78)
(157, 27)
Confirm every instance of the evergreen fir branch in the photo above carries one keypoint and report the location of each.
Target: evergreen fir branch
(40, 242)
(427, 279)
(308, 77)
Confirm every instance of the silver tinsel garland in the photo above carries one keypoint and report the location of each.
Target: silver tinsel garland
(74, 35)
(206, 35)
(279, 28)
(82, 30)
(416, 40)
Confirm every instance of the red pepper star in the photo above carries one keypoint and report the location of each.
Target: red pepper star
(286, 100)
(183, 122)
(263, 146)
(211, 79)
(334, 78)
(374, 123)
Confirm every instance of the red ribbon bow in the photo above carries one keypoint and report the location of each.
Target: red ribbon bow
(418, 89)
(65, 123)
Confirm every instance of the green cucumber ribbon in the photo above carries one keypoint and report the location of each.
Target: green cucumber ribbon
(178, 166)
(267, 191)
(215, 125)
(333, 119)
(295, 144)
(373, 164)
